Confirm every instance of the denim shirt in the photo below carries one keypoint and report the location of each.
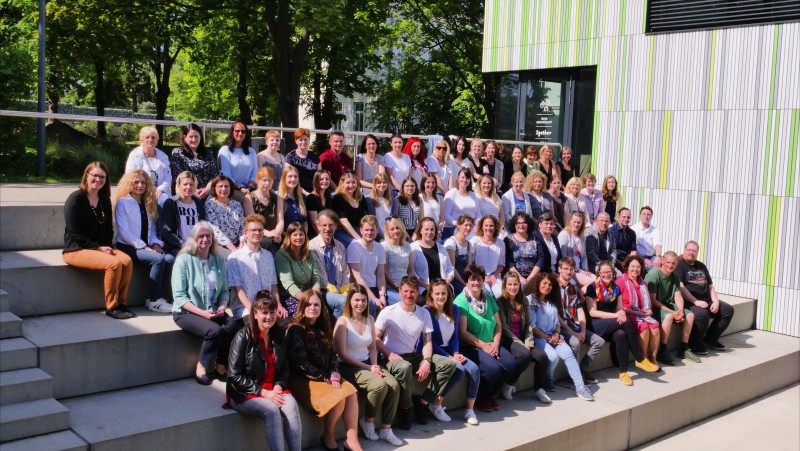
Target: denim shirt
(544, 315)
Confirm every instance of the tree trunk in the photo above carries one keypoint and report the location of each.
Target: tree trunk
(289, 59)
(162, 70)
(100, 96)
(245, 114)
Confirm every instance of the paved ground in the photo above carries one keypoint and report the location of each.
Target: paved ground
(771, 422)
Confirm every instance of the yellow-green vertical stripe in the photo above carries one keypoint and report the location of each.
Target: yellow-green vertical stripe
(711, 68)
(621, 150)
(648, 104)
(665, 138)
(794, 137)
(767, 150)
(704, 227)
(776, 134)
(525, 41)
(581, 27)
(771, 257)
(623, 13)
(551, 20)
(611, 79)
(568, 30)
(623, 73)
(775, 40)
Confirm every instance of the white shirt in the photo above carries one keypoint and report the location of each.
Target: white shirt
(646, 239)
(402, 329)
(128, 220)
(398, 167)
(251, 272)
(369, 261)
(156, 167)
(488, 256)
(396, 260)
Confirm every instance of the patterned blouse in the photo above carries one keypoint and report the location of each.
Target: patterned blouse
(204, 168)
(230, 219)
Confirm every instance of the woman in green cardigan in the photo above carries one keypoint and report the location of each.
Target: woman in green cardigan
(297, 270)
(200, 296)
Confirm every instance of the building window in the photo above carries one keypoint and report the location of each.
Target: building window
(358, 120)
(666, 16)
(337, 107)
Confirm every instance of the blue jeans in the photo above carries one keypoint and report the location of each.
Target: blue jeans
(344, 237)
(564, 352)
(282, 425)
(158, 266)
(473, 383)
(335, 303)
(495, 372)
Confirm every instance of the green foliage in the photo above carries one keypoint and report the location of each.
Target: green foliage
(64, 162)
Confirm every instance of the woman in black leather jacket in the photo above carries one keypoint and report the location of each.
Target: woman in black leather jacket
(258, 374)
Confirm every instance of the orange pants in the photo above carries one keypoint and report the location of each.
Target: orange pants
(118, 268)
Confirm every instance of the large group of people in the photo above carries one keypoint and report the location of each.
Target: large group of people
(346, 275)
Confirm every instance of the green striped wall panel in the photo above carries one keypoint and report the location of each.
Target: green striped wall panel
(703, 126)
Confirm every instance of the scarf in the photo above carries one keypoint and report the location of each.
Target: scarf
(606, 295)
(640, 297)
(477, 305)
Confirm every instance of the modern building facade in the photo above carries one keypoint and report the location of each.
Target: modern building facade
(696, 111)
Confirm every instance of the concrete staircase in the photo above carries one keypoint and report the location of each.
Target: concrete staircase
(100, 383)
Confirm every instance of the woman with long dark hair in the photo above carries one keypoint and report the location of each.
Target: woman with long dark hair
(193, 156)
(317, 384)
(407, 206)
(237, 159)
(258, 376)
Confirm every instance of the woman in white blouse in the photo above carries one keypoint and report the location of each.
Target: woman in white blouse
(573, 245)
(459, 201)
(135, 216)
(399, 262)
(431, 200)
(489, 202)
(490, 253)
(153, 161)
(398, 164)
(430, 259)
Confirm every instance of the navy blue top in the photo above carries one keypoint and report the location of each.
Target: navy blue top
(443, 349)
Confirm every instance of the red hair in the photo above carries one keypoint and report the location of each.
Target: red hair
(420, 156)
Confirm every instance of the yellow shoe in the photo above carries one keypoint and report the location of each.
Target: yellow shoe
(647, 365)
(625, 378)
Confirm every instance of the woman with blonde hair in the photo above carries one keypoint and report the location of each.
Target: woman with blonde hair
(399, 262)
(271, 157)
(152, 160)
(546, 163)
(270, 206)
(180, 213)
(381, 200)
(135, 214)
(573, 245)
(351, 206)
(439, 162)
(574, 201)
(317, 384)
(489, 203)
(354, 339)
(294, 207)
(541, 200)
(200, 297)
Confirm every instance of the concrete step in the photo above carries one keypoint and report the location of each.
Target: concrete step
(89, 352)
(17, 353)
(5, 301)
(31, 419)
(56, 441)
(24, 385)
(38, 226)
(10, 325)
(33, 277)
(186, 415)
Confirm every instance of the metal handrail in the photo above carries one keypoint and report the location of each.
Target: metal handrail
(134, 120)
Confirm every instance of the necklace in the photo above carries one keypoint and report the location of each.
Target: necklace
(101, 217)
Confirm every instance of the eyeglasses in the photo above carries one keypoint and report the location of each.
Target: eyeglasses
(239, 131)
(522, 223)
(97, 176)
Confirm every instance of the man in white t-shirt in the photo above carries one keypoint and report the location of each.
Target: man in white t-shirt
(648, 239)
(398, 328)
(367, 260)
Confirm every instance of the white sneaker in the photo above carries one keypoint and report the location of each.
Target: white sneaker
(159, 306)
(369, 430)
(388, 435)
(508, 391)
(542, 395)
(469, 415)
(438, 412)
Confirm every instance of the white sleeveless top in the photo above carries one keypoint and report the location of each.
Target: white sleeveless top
(358, 345)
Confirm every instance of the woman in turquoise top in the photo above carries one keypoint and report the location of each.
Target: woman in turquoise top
(480, 332)
(297, 270)
(200, 296)
(546, 328)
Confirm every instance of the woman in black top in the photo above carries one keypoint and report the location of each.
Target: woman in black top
(193, 156)
(566, 165)
(88, 234)
(258, 376)
(319, 199)
(316, 382)
(351, 206)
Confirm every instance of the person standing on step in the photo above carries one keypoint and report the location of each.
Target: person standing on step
(648, 239)
(251, 269)
(624, 237)
(698, 290)
(668, 306)
(305, 161)
(153, 161)
(397, 330)
(335, 160)
(88, 234)
(135, 213)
